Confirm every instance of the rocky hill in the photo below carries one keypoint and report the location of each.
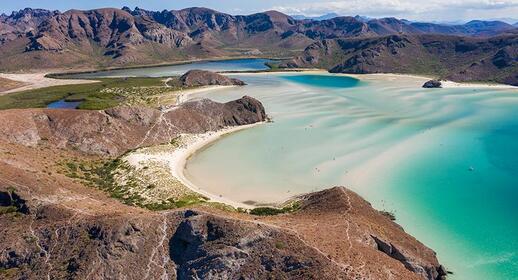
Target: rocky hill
(115, 37)
(53, 226)
(114, 131)
(207, 78)
(451, 57)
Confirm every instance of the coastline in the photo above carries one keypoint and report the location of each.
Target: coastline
(445, 83)
(185, 95)
(176, 160)
(178, 165)
(64, 73)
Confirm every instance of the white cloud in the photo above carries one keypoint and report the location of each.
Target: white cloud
(417, 9)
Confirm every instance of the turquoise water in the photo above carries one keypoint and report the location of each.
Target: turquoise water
(443, 160)
(175, 70)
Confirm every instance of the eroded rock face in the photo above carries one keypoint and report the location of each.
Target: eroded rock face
(207, 78)
(489, 59)
(205, 243)
(432, 84)
(429, 272)
(113, 131)
(10, 198)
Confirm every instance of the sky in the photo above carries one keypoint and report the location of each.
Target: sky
(424, 10)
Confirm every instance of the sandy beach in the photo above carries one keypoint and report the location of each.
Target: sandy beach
(388, 76)
(38, 80)
(176, 160)
(445, 84)
(185, 95)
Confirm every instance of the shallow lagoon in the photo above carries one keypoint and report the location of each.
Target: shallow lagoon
(443, 160)
(175, 70)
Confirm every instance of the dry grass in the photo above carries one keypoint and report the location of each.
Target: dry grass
(6, 84)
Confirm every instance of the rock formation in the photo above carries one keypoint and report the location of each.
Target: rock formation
(451, 57)
(207, 78)
(116, 130)
(432, 84)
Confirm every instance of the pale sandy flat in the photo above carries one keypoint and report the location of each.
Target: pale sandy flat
(37, 80)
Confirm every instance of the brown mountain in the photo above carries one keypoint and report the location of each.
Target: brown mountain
(114, 37)
(457, 58)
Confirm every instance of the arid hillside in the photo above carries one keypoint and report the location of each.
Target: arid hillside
(455, 58)
(41, 39)
(56, 226)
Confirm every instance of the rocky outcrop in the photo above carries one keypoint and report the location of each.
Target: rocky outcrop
(10, 198)
(114, 131)
(449, 57)
(432, 84)
(92, 241)
(208, 78)
(432, 273)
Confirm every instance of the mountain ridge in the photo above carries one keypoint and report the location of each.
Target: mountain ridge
(111, 37)
(450, 57)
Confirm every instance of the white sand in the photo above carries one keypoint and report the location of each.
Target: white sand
(185, 95)
(445, 84)
(177, 159)
(38, 80)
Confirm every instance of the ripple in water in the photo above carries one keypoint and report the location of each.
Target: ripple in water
(443, 160)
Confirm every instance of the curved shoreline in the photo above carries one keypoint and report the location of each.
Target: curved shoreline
(178, 165)
(180, 156)
(184, 95)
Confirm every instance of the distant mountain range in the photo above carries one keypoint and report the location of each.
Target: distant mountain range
(34, 38)
(322, 17)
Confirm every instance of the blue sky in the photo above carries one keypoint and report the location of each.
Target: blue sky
(430, 10)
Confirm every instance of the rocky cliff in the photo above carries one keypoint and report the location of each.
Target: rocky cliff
(450, 57)
(72, 233)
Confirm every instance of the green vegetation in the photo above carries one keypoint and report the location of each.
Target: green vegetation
(270, 211)
(280, 245)
(389, 215)
(102, 174)
(8, 209)
(8, 273)
(106, 93)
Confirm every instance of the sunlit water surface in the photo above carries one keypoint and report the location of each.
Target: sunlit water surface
(172, 70)
(445, 161)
